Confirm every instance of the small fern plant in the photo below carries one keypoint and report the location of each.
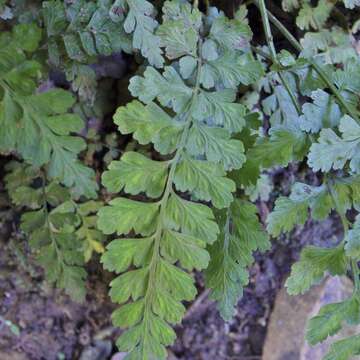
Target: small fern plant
(39, 128)
(62, 232)
(188, 112)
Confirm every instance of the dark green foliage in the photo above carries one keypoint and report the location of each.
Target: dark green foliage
(207, 119)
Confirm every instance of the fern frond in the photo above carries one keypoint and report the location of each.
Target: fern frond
(82, 30)
(333, 151)
(52, 237)
(138, 17)
(62, 233)
(293, 210)
(313, 264)
(38, 126)
(344, 349)
(241, 234)
(167, 237)
(287, 141)
(330, 319)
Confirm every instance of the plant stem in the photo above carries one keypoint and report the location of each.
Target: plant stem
(356, 274)
(293, 41)
(329, 83)
(47, 219)
(270, 43)
(261, 53)
(267, 29)
(291, 94)
(207, 4)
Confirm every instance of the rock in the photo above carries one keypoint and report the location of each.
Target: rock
(285, 339)
(119, 356)
(13, 356)
(99, 350)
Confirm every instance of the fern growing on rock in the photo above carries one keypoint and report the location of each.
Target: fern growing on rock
(188, 112)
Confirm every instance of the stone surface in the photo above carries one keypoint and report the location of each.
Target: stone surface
(13, 356)
(119, 356)
(99, 350)
(285, 338)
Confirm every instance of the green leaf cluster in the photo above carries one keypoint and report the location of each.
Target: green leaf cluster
(51, 232)
(82, 30)
(62, 233)
(328, 123)
(38, 126)
(79, 32)
(339, 194)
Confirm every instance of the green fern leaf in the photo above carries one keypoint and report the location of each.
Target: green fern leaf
(344, 349)
(166, 239)
(333, 152)
(139, 21)
(323, 113)
(134, 215)
(18, 72)
(334, 45)
(228, 114)
(314, 17)
(178, 40)
(313, 264)
(168, 88)
(352, 241)
(136, 173)
(87, 232)
(149, 123)
(38, 126)
(52, 238)
(286, 214)
(280, 107)
(44, 136)
(249, 173)
(330, 318)
(293, 210)
(215, 144)
(78, 32)
(227, 273)
(285, 144)
(230, 34)
(205, 180)
(231, 70)
(84, 29)
(191, 218)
